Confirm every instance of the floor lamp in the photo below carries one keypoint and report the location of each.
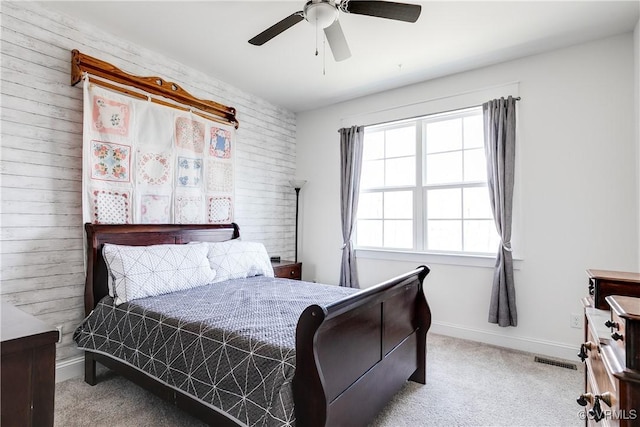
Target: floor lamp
(297, 184)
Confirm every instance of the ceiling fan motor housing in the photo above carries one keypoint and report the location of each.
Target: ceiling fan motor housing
(321, 12)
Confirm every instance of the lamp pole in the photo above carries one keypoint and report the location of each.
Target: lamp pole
(297, 185)
(297, 198)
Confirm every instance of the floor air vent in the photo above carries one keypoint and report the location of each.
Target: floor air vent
(556, 363)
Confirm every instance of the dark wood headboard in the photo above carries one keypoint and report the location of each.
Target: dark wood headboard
(96, 284)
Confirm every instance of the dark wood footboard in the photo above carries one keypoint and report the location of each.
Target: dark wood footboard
(354, 355)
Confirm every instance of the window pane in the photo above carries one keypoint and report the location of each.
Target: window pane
(369, 233)
(370, 206)
(401, 171)
(473, 132)
(476, 203)
(475, 166)
(480, 236)
(373, 145)
(444, 204)
(454, 209)
(398, 205)
(401, 142)
(372, 175)
(398, 234)
(444, 235)
(444, 168)
(444, 136)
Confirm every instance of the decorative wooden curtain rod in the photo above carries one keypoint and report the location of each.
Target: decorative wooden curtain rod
(81, 63)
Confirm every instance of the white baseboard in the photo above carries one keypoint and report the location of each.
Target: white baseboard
(70, 368)
(531, 345)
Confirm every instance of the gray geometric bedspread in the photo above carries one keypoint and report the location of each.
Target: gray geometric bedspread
(229, 344)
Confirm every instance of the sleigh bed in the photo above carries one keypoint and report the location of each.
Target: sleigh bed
(342, 354)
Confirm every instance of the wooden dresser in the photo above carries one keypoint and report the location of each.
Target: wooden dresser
(287, 269)
(27, 369)
(611, 350)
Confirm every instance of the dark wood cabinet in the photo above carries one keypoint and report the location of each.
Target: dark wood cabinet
(287, 269)
(610, 351)
(28, 358)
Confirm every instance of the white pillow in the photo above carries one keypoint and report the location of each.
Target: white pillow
(236, 259)
(144, 271)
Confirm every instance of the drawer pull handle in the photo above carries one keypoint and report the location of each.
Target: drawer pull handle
(606, 397)
(588, 346)
(584, 399)
(617, 337)
(610, 324)
(596, 412)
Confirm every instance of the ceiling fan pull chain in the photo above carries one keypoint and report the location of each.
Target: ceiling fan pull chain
(316, 36)
(324, 55)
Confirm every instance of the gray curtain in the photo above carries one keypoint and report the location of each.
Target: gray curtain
(350, 168)
(500, 149)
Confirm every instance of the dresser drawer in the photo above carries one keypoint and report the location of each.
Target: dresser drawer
(625, 329)
(618, 334)
(288, 270)
(603, 283)
(597, 375)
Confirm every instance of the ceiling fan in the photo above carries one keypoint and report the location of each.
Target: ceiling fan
(324, 14)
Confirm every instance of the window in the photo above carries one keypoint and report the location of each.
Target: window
(423, 186)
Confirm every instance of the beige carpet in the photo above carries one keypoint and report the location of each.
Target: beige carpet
(468, 384)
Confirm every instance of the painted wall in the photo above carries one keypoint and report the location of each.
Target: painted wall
(41, 230)
(577, 192)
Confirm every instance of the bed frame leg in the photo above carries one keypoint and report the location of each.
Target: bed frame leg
(420, 374)
(89, 369)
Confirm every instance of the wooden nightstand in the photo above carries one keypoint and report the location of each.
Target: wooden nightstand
(287, 269)
(28, 369)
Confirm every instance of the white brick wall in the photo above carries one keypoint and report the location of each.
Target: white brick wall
(42, 270)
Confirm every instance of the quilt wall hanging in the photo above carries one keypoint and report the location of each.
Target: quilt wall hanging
(147, 163)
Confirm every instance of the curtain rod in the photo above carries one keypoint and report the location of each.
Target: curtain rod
(516, 98)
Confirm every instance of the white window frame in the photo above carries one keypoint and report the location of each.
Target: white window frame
(436, 105)
(420, 188)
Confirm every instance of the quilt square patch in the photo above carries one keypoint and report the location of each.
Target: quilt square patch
(188, 210)
(220, 143)
(153, 168)
(155, 209)
(110, 161)
(111, 207)
(189, 172)
(190, 134)
(110, 116)
(219, 176)
(219, 209)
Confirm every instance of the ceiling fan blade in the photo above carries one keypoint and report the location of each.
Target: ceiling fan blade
(277, 28)
(337, 41)
(382, 9)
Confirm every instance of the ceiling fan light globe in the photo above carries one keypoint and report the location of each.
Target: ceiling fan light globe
(323, 14)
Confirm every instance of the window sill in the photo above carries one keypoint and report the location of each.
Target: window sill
(433, 258)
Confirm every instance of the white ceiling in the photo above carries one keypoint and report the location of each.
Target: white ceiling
(449, 37)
